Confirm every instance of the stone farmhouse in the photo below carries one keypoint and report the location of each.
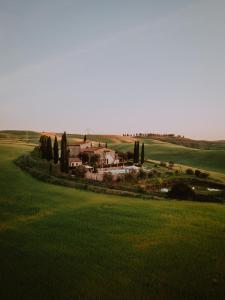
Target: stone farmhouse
(105, 155)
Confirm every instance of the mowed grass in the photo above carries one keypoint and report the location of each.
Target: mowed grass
(62, 243)
(212, 160)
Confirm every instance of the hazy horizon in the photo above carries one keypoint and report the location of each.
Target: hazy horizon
(111, 67)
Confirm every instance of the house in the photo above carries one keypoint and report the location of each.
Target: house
(77, 148)
(106, 156)
(74, 162)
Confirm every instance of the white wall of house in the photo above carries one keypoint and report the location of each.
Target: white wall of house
(110, 158)
(75, 164)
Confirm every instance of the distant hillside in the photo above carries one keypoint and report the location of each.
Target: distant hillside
(190, 143)
(20, 136)
(198, 154)
(213, 160)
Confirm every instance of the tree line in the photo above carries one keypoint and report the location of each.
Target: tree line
(52, 153)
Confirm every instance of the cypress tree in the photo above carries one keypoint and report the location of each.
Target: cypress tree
(45, 147)
(62, 156)
(142, 153)
(49, 149)
(85, 138)
(135, 150)
(41, 146)
(137, 153)
(64, 160)
(56, 151)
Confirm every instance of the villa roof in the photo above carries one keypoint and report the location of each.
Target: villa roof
(79, 143)
(97, 149)
(74, 159)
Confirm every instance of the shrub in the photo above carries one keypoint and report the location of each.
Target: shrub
(197, 173)
(189, 171)
(130, 176)
(142, 174)
(150, 174)
(79, 171)
(204, 175)
(107, 177)
(171, 164)
(181, 190)
(163, 164)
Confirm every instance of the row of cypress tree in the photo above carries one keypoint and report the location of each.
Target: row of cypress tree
(48, 152)
(136, 152)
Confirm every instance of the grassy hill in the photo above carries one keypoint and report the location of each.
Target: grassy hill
(62, 243)
(212, 160)
(190, 143)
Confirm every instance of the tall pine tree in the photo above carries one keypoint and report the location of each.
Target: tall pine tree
(56, 151)
(142, 153)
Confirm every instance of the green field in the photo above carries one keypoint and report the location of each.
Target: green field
(212, 160)
(62, 243)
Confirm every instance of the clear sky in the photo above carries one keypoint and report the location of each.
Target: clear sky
(113, 66)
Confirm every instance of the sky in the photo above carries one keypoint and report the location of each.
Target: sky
(103, 66)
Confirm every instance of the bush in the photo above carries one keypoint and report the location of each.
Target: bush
(150, 174)
(107, 177)
(163, 164)
(197, 173)
(182, 191)
(131, 177)
(171, 163)
(204, 175)
(189, 172)
(79, 171)
(142, 174)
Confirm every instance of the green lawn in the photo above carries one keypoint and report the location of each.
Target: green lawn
(61, 243)
(212, 160)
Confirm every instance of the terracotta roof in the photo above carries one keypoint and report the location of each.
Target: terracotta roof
(97, 149)
(78, 143)
(74, 159)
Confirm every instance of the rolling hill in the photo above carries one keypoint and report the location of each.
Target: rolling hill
(212, 160)
(63, 243)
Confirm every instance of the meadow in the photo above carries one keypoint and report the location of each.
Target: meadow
(63, 243)
(211, 158)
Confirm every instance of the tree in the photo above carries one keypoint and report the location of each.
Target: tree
(84, 157)
(56, 151)
(137, 153)
(85, 138)
(135, 150)
(142, 153)
(64, 159)
(49, 149)
(197, 173)
(130, 155)
(189, 171)
(181, 190)
(43, 146)
(94, 159)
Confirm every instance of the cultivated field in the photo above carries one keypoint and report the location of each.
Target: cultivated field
(62, 243)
